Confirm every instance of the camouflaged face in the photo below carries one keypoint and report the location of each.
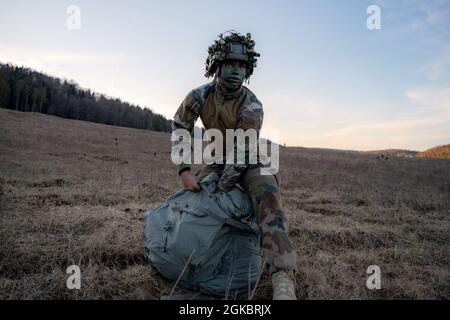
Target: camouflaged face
(231, 76)
(219, 52)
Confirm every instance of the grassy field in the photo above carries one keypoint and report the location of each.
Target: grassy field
(74, 192)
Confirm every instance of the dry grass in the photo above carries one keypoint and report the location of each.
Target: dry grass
(68, 196)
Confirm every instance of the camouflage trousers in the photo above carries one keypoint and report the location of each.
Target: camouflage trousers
(264, 192)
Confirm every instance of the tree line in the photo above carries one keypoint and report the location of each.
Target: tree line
(26, 90)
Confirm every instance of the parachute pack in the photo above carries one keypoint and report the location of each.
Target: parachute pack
(207, 241)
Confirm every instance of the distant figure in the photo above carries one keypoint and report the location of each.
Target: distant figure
(224, 104)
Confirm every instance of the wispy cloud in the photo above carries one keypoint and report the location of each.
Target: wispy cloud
(438, 68)
(51, 61)
(428, 122)
(432, 99)
(435, 13)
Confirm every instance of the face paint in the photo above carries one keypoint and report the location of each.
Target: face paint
(232, 75)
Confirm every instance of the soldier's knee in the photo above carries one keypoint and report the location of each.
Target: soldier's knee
(269, 213)
(261, 185)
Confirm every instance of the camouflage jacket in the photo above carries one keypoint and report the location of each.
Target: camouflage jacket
(240, 110)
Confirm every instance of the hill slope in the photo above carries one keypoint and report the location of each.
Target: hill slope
(442, 152)
(70, 195)
(393, 153)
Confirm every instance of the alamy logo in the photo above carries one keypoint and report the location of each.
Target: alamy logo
(74, 280)
(374, 20)
(374, 280)
(241, 147)
(73, 21)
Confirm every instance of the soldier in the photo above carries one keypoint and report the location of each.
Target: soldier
(224, 104)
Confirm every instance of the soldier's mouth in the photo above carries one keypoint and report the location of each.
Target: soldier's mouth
(234, 80)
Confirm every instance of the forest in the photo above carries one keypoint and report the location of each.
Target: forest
(26, 90)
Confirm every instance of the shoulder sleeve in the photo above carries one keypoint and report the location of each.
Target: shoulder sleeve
(189, 110)
(187, 113)
(251, 114)
(185, 118)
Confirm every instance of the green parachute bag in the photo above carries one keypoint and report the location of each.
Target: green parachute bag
(209, 241)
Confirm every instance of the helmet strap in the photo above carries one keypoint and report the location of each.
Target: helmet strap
(216, 74)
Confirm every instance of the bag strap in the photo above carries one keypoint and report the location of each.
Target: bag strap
(241, 225)
(230, 221)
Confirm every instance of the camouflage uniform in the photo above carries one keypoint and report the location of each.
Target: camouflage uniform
(241, 109)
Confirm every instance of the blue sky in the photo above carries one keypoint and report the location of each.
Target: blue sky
(324, 78)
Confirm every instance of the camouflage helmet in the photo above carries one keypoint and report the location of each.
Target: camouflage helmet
(231, 46)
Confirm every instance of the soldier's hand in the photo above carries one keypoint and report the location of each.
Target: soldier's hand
(222, 187)
(218, 189)
(189, 181)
